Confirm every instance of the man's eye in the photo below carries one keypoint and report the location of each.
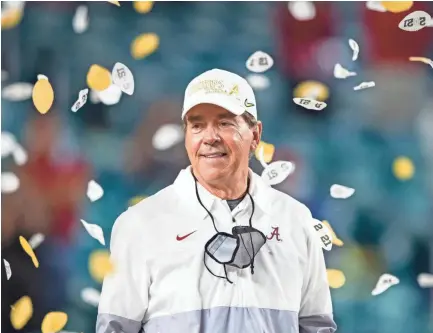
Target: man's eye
(225, 123)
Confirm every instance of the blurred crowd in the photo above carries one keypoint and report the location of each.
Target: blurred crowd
(387, 226)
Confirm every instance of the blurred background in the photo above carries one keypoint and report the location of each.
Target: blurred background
(386, 226)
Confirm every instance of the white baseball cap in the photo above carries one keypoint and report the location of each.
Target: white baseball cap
(219, 87)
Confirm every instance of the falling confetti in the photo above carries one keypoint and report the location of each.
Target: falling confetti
(17, 92)
(82, 99)
(341, 192)
(364, 85)
(144, 45)
(258, 81)
(336, 278)
(167, 136)
(109, 96)
(98, 78)
(259, 62)
(335, 239)
(376, 6)
(80, 22)
(54, 322)
(43, 94)
(115, 3)
(9, 182)
(403, 168)
(385, 281)
(8, 143)
(94, 191)
(324, 235)
(310, 104)
(95, 231)
(355, 48)
(302, 10)
(28, 249)
(19, 154)
(397, 6)
(123, 78)
(90, 296)
(425, 280)
(36, 240)
(415, 21)
(135, 200)
(265, 152)
(7, 268)
(311, 89)
(277, 172)
(100, 265)
(11, 17)
(422, 59)
(21, 312)
(142, 7)
(342, 73)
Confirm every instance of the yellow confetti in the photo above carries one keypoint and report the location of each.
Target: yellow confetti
(117, 3)
(311, 89)
(336, 278)
(43, 94)
(403, 168)
(144, 45)
(28, 249)
(135, 200)
(335, 239)
(143, 7)
(98, 78)
(397, 6)
(54, 322)
(100, 264)
(21, 312)
(11, 18)
(268, 151)
(422, 59)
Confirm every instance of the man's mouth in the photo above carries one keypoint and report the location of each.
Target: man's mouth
(213, 155)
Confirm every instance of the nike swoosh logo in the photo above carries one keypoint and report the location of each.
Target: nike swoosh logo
(248, 104)
(179, 238)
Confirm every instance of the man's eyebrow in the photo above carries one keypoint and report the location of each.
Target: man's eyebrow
(194, 118)
(226, 116)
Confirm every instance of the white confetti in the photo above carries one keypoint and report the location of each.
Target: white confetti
(309, 103)
(341, 192)
(342, 73)
(8, 269)
(80, 22)
(109, 96)
(95, 231)
(324, 234)
(277, 171)
(364, 85)
(302, 10)
(90, 296)
(42, 77)
(258, 81)
(94, 191)
(167, 136)
(19, 155)
(259, 62)
(376, 6)
(10, 182)
(123, 78)
(8, 143)
(36, 240)
(355, 48)
(81, 101)
(17, 92)
(425, 280)
(385, 281)
(415, 21)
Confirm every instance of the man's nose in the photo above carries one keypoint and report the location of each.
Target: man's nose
(210, 135)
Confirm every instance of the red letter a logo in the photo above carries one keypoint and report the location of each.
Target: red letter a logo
(275, 233)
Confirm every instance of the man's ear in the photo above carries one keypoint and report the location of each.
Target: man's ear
(257, 135)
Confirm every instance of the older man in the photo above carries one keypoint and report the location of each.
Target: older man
(218, 251)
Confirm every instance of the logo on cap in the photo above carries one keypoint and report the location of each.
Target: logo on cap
(248, 104)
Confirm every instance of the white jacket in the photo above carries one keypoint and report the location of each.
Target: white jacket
(160, 283)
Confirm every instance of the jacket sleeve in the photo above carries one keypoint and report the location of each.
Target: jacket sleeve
(124, 296)
(315, 315)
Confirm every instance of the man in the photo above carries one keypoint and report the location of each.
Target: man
(218, 251)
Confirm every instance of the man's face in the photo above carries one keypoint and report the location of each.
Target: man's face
(218, 142)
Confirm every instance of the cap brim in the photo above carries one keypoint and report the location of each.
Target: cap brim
(215, 100)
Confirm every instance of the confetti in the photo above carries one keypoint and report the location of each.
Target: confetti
(115, 3)
(36, 240)
(80, 22)
(422, 59)
(81, 101)
(310, 103)
(397, 6)
(336, 278)
(259, 62)
(311, 89)
(90, 296)
(335, 239)
(8, 143)
(17, 92)
(94, 191)
(302, 10)
(123, 78)
(135, 200)
(143, 7)
(364, 85)
(109, 96)
(7, 268)
(324, 235)
(403, 168)
(98, 78)
(9, 182)
(144, 45)
(258, 81)
(425, 280)
(28, 249)
(54, 322)
(167, 136)
(342, 73)
(43, 94)
(376, 6)
(264, 152)
(277, 172)
(341, 192)
(11, 17)
(95, 231)
(21, 312)
(100, 265)
(415, 21)
(19, 154)
(355, 48)
(385, 281)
